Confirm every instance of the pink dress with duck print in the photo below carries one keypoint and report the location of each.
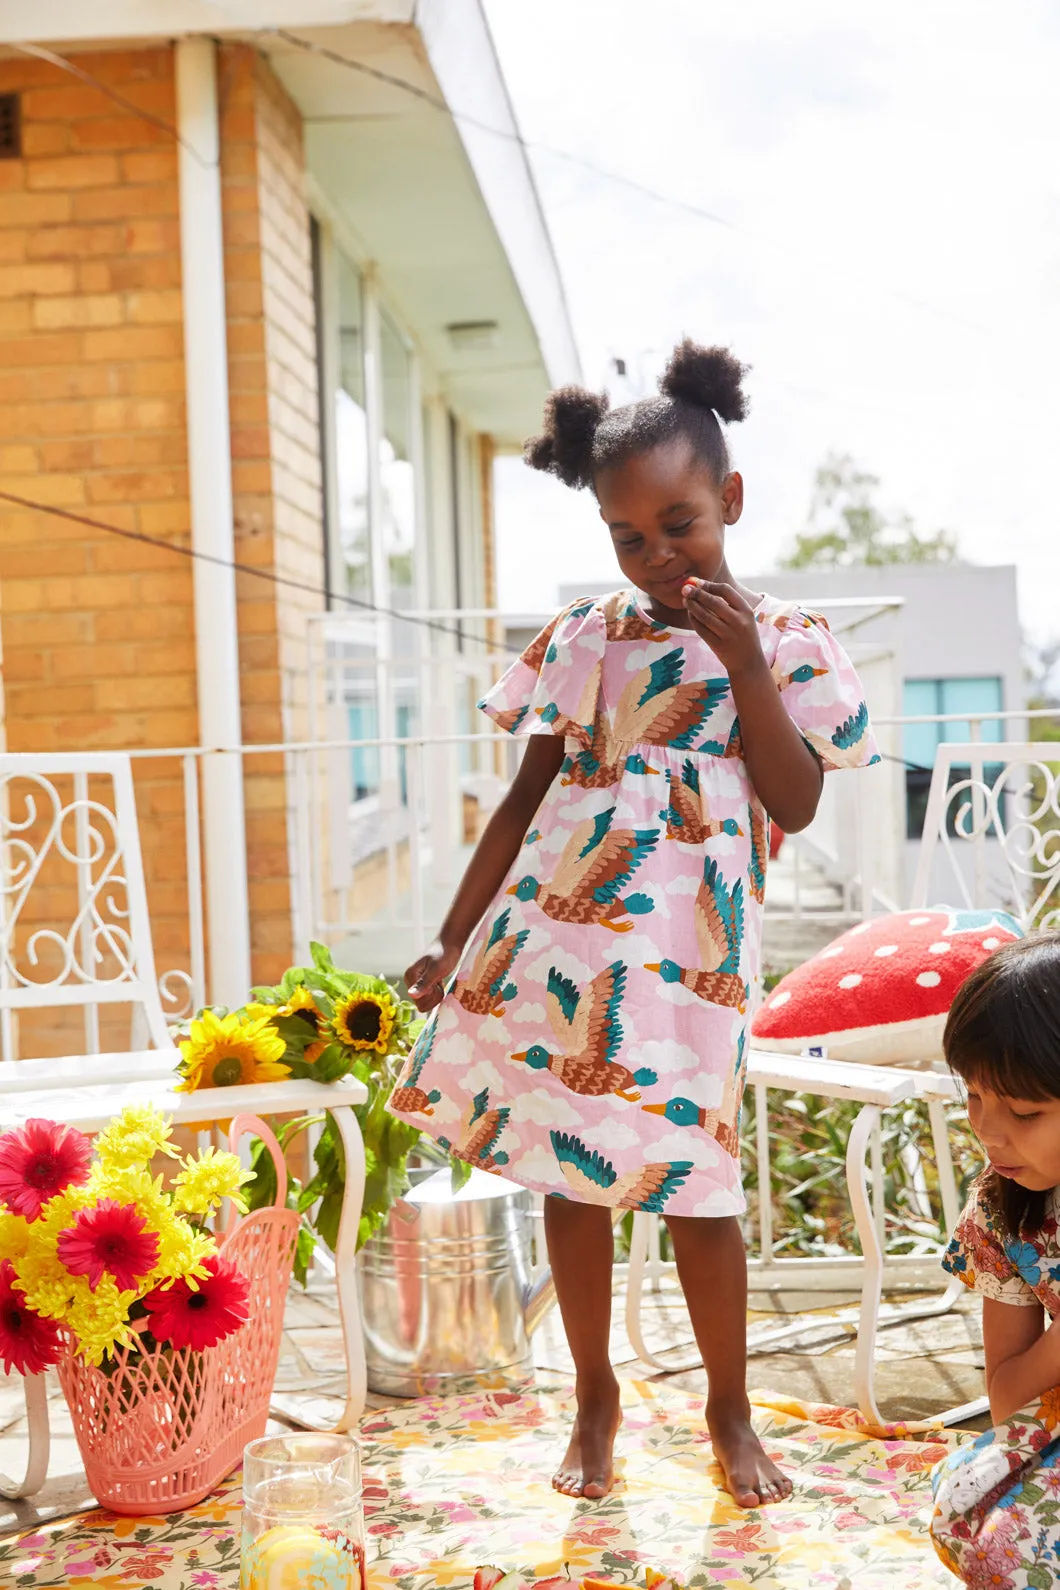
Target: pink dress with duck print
(591, 1040)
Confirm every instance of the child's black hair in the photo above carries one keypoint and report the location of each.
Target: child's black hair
(584, 435)
(1003, 1031)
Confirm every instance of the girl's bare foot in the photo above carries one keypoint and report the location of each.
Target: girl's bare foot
(588, 1464)
(751, 1478)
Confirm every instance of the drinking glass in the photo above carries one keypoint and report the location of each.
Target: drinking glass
(303, 1519)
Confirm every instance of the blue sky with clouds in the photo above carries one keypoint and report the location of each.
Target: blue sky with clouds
(887, 178)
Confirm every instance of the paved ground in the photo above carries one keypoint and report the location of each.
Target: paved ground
(922, 1368)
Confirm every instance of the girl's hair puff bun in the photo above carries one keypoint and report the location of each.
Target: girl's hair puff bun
(710, 378)
(565, 446)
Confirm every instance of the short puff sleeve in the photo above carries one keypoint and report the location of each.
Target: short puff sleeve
(979, 1256)
(822, 693)
(553, 687)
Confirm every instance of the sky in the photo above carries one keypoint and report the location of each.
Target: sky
(887, 255)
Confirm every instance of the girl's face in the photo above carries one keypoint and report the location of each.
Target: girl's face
(667, 519)
(1021, 1136)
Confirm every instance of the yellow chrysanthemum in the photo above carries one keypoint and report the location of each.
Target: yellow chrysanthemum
(204, 1182)
(224, 1051)
(183, 1251)
(365, 1021)
(14, 1235)
(139, 1133)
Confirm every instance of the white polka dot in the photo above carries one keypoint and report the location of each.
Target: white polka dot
(830, 953)
(918, 921)
(941, 948)
(991, 944)
(885, 950)
(862, 927)
(779, 999)
(851, 980)
(929, 979)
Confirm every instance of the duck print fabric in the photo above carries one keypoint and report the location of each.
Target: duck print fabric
(591, 1041)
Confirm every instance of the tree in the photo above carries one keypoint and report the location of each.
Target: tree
(846, 529)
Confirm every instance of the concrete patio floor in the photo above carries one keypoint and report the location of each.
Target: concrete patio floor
(922, 1367)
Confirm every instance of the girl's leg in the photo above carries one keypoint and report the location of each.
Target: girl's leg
(712, 1266)
(580, 1251)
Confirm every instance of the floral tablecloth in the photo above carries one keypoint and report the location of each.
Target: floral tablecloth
(451, 1483)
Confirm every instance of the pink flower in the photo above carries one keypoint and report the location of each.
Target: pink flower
(38, 1161)
(29, 1344)
(201, 1318)
(204, 1577)
(111, 1237)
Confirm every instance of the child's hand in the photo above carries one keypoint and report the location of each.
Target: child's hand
(427, 977)
(726, 621)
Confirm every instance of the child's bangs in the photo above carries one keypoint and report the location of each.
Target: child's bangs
(1012, 1075)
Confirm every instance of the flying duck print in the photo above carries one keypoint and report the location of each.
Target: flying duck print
(589, 1034)
(408, 1096)
(684, 817)
(595, 866)
(594, 1179)
(601, 764)
(717, 916)
(756, 876)
(733, 746)
(716, 1123)
(486, 987)
(802, 675)
(625, 621)
(480, 1131)
(578, 723)
(846, 747)
(682, 1112)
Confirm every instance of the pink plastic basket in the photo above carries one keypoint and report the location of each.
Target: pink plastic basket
(159, 1430)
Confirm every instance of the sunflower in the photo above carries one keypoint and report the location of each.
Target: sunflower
(223, 1052)
(365, 1020)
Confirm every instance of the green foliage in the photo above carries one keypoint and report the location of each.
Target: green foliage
(308, 1008)
(846, 528)
(808, 1189)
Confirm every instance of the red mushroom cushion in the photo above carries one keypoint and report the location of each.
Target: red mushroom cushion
(881, 992)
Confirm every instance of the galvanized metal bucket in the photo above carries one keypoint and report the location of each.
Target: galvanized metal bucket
(446, 1289)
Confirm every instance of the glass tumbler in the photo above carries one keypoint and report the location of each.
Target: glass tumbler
(303, 1518)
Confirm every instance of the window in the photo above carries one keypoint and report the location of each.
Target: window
(940, 698)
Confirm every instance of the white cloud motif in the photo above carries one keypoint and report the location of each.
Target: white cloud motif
(566, 964)
(546, 1109)
(529, 1014)
(684, 883)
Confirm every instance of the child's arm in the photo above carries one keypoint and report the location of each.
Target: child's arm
(486, 870)
(784, 771)
(1022, 1356)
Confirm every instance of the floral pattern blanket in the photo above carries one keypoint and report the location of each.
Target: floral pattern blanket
(454, 1482)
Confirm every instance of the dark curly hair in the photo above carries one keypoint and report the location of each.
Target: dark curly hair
(1003, 1032)
(584, 435)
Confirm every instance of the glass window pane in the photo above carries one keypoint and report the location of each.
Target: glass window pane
(971, 695)
(351, 439)
(919, 740)
(396, 471)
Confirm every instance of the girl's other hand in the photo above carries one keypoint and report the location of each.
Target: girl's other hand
(427, 977)
(726, 621)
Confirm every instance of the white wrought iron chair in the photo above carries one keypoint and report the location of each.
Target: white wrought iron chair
(68, 825)
(987, 841)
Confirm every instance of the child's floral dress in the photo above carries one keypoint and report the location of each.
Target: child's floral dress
(591, 1041)
(997, 1499)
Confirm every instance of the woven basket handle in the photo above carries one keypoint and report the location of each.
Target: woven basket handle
(239, 1127)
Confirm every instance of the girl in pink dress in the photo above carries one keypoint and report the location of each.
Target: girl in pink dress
(593, 981)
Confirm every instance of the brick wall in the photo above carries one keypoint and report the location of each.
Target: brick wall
(98, 633)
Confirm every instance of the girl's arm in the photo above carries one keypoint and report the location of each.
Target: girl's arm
(487, 869)
(1022, 1356)
(786, 774)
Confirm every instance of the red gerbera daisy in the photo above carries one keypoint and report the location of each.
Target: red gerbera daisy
(203, 1318)
(113, 1237)
(38, 1161)
(29, 1344)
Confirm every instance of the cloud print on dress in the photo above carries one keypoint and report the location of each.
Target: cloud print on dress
(529, 1014)
(667, 1058)
(566, 964)
(544, 1109)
